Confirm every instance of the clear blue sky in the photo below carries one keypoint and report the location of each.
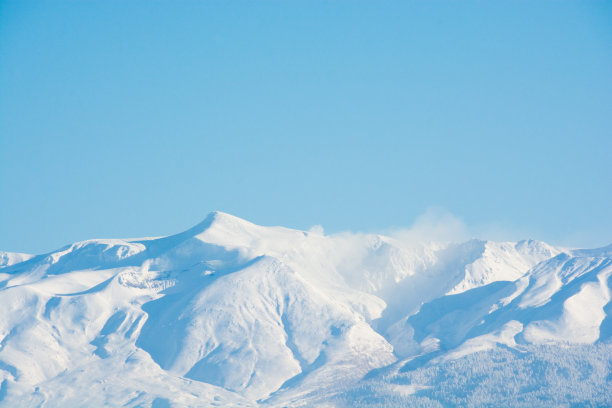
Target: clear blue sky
(122, 119)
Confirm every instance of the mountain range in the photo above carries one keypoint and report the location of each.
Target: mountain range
(229, 313)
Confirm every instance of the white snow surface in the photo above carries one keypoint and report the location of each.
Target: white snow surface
(229, 313)
(11, 258)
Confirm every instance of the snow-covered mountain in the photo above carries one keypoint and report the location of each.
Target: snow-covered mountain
(229, 313)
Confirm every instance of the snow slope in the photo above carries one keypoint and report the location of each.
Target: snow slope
(11, 258)
(230, 313)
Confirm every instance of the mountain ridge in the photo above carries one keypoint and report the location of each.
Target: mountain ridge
(269, 315)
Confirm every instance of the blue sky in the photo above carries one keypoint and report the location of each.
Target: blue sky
(122, 119)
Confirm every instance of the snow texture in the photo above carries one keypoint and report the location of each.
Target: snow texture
(229, 313)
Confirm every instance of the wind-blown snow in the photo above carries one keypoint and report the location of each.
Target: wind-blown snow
(231, 313)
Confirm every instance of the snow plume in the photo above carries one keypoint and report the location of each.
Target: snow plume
(317, 230)
(434, 225)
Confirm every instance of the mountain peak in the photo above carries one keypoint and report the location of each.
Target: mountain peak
(216, 219)
(223, 217)
(224, 229)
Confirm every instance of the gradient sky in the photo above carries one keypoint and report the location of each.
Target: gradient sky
(122, 119)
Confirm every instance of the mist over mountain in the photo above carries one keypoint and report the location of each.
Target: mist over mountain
(229, 313)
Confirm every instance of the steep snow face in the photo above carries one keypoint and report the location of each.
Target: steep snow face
(578, 290)
(504, 261)
(252, 330)
(563, 300)
(231, 313)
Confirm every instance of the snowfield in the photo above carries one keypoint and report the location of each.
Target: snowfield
(229, 313)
